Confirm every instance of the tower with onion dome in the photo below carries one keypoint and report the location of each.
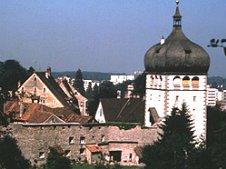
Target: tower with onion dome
(176, 73)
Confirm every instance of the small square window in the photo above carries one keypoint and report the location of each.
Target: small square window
(71, 140)
(82, 140)
(102, 138)
(41, 155)
(82, 150)
(194, 98)
(67, 153)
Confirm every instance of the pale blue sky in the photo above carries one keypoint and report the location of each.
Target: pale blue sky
(103, 35)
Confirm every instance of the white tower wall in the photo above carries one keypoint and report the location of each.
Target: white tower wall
(163, 92)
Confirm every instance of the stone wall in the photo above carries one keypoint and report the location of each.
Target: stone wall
(35, 140)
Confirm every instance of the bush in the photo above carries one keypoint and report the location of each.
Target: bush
(56, 160)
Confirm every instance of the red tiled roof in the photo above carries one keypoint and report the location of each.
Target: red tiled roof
(94, 148)
(36, 113)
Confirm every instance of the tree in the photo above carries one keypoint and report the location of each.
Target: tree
(175, 145)
(94, 101)
(9, 69)
(89, 91)
(139, 85)
(56, 160)
(10, 155)
(216, 135)
(4, 95)
(123, 87)
(107, 90)
(31, 70)
(79, 84)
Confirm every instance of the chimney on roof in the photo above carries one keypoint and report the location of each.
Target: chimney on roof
(162, 41)
(48, 72)
(119, 94)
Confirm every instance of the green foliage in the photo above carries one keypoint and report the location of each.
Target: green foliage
(86, 75)
(216, 135)
(200, 158)
(123, 87)
(107, 90)
(175, 145)
(56, 160)
(10, 155)
(126, 126)
(139, 85)
(89, 91)
(94, 101)
(9, 69)
(101, 166)
(117, 166)
(4, 95)
(79, 84)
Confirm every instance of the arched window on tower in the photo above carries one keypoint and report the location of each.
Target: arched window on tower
(186, 82)
(177, 82)
(195, 82)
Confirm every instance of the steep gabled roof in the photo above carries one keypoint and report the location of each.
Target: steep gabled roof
(123, 110)
(54, 88)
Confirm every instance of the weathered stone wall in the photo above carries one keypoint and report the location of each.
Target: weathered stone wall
(36, 140)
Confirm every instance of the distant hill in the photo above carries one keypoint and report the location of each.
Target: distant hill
(86, 75)
(214, 81)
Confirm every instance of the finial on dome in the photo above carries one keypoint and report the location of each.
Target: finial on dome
(177, 16)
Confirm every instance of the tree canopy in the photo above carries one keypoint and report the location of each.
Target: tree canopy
(107, 90)
(11, 73)
(175, 144)
(56, 160)
(79, 84)
(139, 85)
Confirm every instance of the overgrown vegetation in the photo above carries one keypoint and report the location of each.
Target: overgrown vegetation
(57, 160)
(175, 145)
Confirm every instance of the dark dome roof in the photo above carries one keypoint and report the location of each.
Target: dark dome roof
(177, 54)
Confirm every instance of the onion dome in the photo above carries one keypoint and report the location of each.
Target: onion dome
(177, 54)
